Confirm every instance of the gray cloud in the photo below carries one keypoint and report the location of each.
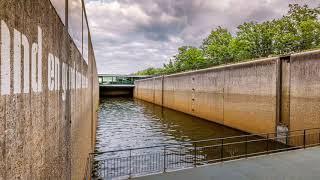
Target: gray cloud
(131, 35)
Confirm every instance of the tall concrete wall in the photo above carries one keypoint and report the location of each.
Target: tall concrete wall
(255, 96)
(48, 95)
(304, 109)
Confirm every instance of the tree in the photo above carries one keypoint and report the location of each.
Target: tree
(216, 47)
(150, 71)
(296, 31)
(189, 58)
(258, 38)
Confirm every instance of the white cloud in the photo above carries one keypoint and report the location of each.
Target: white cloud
(131, 35)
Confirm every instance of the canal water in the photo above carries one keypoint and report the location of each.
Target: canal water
(126, 123)
(152, 139)
(130, 123)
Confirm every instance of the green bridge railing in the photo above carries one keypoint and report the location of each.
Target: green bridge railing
(113, 79)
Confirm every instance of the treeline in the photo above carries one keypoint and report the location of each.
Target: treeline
(297, 31)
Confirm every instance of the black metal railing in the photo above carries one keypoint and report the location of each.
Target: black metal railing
(141, 161)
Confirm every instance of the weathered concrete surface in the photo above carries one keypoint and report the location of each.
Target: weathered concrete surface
(47, 114)
(298, 165)
(241, 96)
(250, 96)
(305, 90)
(255, 96)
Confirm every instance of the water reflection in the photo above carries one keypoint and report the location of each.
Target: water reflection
(127, 123)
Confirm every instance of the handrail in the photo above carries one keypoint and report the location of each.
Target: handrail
(198, 141)
(195, 153)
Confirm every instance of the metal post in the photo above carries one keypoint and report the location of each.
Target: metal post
(304, 138)
(180, 155)
(246, 146)
(319, 138)
(221, 149)
(104, 169)
(195, 155)
(130, 164)
(287, 138)
(267, 143)
(164, 158)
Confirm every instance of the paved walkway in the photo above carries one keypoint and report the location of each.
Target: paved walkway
(293, 165)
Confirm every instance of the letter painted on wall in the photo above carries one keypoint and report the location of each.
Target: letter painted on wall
(27, 66)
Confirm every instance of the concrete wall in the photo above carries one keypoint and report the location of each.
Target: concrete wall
(254, 96)
(48, 95)
(305, 90)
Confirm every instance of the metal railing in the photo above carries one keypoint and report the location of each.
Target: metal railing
(127, 163)
(119, 79)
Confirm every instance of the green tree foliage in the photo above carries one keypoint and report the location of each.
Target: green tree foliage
(216, 47)
(188, 58)
(297, 31)
(258, 39)
(150, 71)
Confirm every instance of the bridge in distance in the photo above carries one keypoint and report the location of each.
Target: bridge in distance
(117, 84)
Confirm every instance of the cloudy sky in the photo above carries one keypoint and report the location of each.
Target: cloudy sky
(131, 35)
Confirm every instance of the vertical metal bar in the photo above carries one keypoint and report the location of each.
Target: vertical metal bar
(142, 163)
(246, 147)
(139, 164)
(268, 143)
(159, 161)
(145, 162)
(164, 158)
(156, 164)
(151, 161)
(175, 158)
(304, 138)
(120, 169)
(104, 169)
(130, 156)
(195, 155)
(181, 148)
(113, 171)
(221, 149)
(319, 138)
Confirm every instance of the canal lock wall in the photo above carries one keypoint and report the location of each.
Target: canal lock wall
(271, 95)
(48, 95)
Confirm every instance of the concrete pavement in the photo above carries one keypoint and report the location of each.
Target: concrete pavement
(294, 165)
